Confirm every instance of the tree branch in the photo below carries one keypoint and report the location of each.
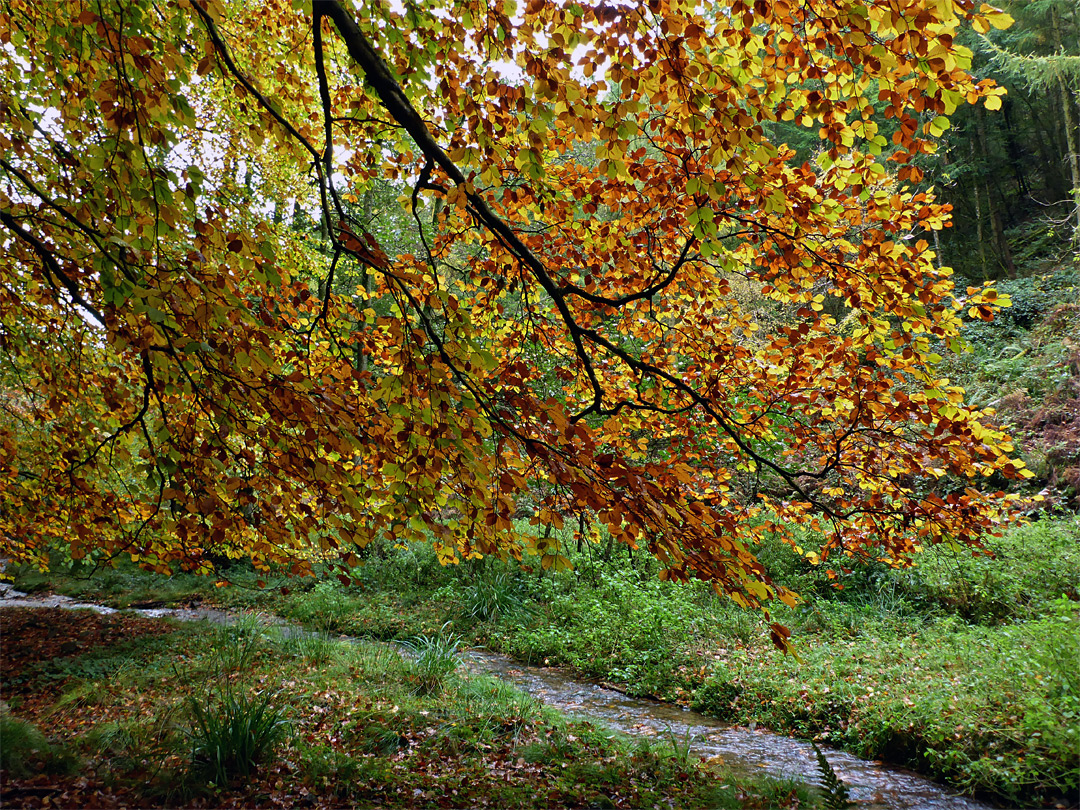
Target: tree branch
(51, 265)
(400, 108)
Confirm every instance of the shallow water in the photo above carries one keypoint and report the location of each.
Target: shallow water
(873, 786)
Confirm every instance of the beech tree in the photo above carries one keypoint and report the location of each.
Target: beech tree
(627, 297)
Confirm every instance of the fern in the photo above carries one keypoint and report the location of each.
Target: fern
(836, 792)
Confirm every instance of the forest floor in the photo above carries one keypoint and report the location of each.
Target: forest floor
(962, 668)
(102, 711)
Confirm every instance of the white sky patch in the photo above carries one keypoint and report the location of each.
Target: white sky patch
(20, 63)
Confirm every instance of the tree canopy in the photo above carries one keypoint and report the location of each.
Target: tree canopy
(605, 285)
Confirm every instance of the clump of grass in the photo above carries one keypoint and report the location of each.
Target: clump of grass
(434, 658)
(325, 606)
(234, 646)
(24, 750)
(23, 745)
(378, 661)
(312, 646)
(493, 596)
(231, 732)
(681, 745)
(137, 746)
(498, 708)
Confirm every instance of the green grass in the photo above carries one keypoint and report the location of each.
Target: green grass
(25, 750)
(961, 667)
(993, 710)
(232, 730)
(385, 614)
(1032, 566)
(433, 658)
(124, 584)
(346, 724)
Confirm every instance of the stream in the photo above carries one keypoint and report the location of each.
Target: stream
(873, 786)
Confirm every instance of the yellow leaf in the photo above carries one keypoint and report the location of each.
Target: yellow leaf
(997, 18)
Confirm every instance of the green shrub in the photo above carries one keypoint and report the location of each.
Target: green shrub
(991, 709)
(395, 613)
(1032, 565)
(621, 627)
(415, 566)
(717, 695)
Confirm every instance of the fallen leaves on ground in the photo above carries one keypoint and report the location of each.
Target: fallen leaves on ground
(30, 635)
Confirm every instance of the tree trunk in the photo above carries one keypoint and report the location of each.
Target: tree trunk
(1049, 157)
(1071, 141)
(1012, 149)
(993, 210)
(979, 234)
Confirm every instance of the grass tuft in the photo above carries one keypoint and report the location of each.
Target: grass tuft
(434, 658)
(230, 733)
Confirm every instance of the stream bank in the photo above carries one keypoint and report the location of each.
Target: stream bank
(872, 785)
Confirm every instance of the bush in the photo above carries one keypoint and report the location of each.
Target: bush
(389, 614)
(1032, 566)
(716, 697)
(622, 628)
(991, 709)
(415, 567)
